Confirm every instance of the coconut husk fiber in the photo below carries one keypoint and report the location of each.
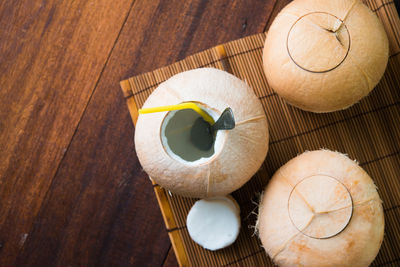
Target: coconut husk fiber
(368, 132)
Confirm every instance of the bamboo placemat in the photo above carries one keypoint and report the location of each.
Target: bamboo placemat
(369, 132)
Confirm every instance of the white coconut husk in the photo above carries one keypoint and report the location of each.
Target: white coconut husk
(239, 152)
(355, 232)
(325, 55)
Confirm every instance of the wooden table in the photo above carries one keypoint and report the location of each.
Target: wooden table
(72, 192)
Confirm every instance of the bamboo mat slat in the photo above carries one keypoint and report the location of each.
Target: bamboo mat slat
(368, 132)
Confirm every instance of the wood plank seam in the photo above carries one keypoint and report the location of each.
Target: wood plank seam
(270, 16)
(166, 254)
(80, 119)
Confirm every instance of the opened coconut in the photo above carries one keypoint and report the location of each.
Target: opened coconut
(321, 209)
(163, 143)
(325, 55)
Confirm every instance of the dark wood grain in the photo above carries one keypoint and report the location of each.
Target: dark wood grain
(87, 201)
(170, 259)
(279, 5)
(52, 54)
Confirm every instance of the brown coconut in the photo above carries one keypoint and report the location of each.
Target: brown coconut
(321, 209)
(238, 153)
(325, 55)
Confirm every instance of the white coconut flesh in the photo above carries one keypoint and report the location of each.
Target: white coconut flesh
(176, 136)
(214, 223)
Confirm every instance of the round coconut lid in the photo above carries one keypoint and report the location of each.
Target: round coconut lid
(214, 223)
(321, 209)
(325, 55)
(163, 143)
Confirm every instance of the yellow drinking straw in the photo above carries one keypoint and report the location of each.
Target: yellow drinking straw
(186, 105)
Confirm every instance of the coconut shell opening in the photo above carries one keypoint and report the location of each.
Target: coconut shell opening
(175, 136)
